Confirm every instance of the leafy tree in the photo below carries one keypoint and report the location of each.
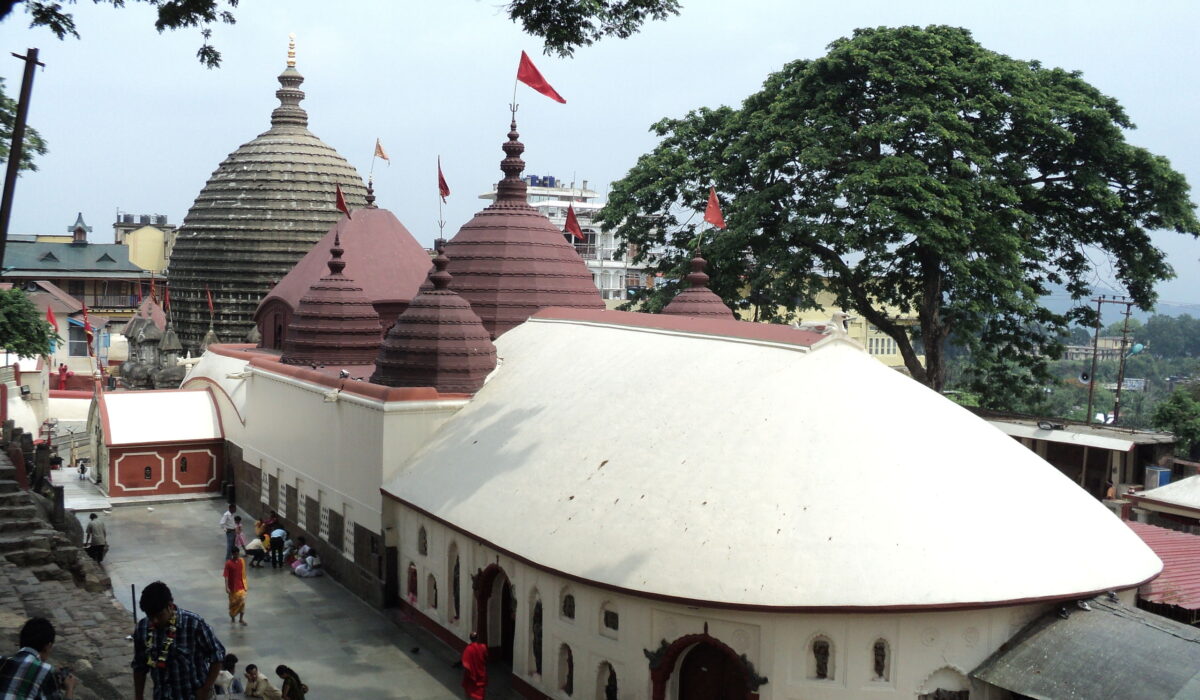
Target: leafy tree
(34, 145)
(566, 25)
(1180, 414)
(913, 170)
(1077, 336)
(23, 329)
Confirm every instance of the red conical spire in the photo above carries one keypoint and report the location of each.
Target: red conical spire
(698, 299)
(510, 261)
(334, 323)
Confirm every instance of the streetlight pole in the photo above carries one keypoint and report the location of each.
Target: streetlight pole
(18, 143)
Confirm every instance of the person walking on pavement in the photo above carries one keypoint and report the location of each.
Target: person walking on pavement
(229, 525)
(175, 647)
(95, 540)
(474, 663)
(235, 586)
(26, 675)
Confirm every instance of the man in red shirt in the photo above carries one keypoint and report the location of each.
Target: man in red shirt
(474, 661)
(235, 586)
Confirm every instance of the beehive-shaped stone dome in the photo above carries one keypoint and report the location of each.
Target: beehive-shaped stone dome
(438, 341)
(510, 261)
(334, 324)
(261, 210)
(698, 299)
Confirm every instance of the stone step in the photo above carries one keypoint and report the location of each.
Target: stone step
(36, 539)
(29, 557)
(17, 510)
(8, 471)
(50, 572)
(9, 486)
(16, 498)
(18, 525)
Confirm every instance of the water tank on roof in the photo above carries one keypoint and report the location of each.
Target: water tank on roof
(127, 218)
(144, 219)
(161, 219)
(550, 181)
(535, 181)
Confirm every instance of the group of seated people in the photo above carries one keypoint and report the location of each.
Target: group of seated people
(255, 684)
(273, 541)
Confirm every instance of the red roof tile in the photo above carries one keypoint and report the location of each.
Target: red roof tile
(1179, 582)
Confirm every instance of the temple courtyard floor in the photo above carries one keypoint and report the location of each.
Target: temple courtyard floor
(340, 646)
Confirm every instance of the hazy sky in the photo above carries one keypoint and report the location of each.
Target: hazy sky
(135, 123)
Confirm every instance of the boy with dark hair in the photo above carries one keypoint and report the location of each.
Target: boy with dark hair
(27, 675)
(175, 647)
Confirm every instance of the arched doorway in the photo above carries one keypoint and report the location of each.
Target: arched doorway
(708, 673)
(496, 613)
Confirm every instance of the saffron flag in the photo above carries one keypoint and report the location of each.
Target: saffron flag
(443, 188)
(529, 74)
(208, 293)
(380, 153)
(341, 203)
(572, 226)
(50, 319)
(712, 213)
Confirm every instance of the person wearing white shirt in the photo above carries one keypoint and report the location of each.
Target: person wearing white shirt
(230, 527)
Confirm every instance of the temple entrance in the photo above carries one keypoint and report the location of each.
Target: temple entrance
(708, 673)
(496, 614)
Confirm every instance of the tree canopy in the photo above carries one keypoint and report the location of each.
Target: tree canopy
(23, 329)
(912, 171)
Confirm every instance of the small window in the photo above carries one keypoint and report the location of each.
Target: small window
(566, 670)
(568, 606)
(606, 683)
(149, 473)
(611, 620)
(535, 635)
(431, 596)
(183, 465)
(422, 542)
(77, 341)
(411, 590)
(882, 660)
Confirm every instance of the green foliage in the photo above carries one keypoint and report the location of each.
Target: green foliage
(34, 145)
(1180, 414)
(172, 14)
(912, 169)
(566, 25)
(23, 329)
(1171, 336)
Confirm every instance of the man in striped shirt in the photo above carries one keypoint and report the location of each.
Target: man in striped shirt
(26, 675)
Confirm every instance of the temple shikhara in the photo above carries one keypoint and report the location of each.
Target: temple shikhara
(644, 506)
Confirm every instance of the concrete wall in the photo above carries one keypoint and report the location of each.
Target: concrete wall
(925, 650)
(194, 468)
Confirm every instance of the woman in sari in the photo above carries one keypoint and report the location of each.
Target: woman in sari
(292, 688)
(235, 586)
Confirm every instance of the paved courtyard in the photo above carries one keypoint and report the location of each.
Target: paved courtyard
(340, 646)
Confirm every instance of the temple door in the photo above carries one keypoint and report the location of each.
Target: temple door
(707, 673)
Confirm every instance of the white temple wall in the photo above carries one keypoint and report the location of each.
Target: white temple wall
(923, 648)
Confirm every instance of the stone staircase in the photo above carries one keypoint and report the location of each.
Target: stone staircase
(29, 541)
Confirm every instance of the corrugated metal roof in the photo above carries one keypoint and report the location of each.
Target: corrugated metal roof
(1179, 582)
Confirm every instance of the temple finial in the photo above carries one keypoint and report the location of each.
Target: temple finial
(336, 264)
(291, 51)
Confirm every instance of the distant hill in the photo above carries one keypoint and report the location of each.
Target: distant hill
(1059, 301)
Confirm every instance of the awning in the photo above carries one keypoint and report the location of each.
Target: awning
(1110, 651)
(1066, 436)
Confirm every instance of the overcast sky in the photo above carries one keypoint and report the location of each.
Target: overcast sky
(135, 123)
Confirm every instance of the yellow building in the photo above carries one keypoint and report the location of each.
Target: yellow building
(149, 238)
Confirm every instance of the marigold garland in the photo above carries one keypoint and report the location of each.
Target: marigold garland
(168, 640)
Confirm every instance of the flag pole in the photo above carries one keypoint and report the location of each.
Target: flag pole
(441, 221)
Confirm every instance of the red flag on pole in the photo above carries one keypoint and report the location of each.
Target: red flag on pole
(87, 328)
(166, 298)
(153, 291)
(443, 188)
(341, 202)
(208, 293)
(529, 74)
(139, 293)
(572, 226)
(50, 319)
(712, 213)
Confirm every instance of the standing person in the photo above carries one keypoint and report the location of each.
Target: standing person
(239, 540)
(235, 586)
(95, 540)
(229, 525)
(257, 686)
(26, 675)
(175, 647)
(474, 662)
(292, 688)
(278, 538)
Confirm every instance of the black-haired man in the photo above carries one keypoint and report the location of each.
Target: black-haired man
(27, 675)
(175, 647)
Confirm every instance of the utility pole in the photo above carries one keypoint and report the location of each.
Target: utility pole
(1095, 354)
(1100, 302)
(1121, 371)
(18, 142)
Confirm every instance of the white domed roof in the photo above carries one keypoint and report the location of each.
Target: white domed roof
(744, 472)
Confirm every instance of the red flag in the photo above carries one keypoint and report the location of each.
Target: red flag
(341, 202)
(208, 293)
(443, 188)
(139, 293)
(166, 298)
(153, 291)
(712, 213)
(529, 74)
(50, 319)
(572, 226)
